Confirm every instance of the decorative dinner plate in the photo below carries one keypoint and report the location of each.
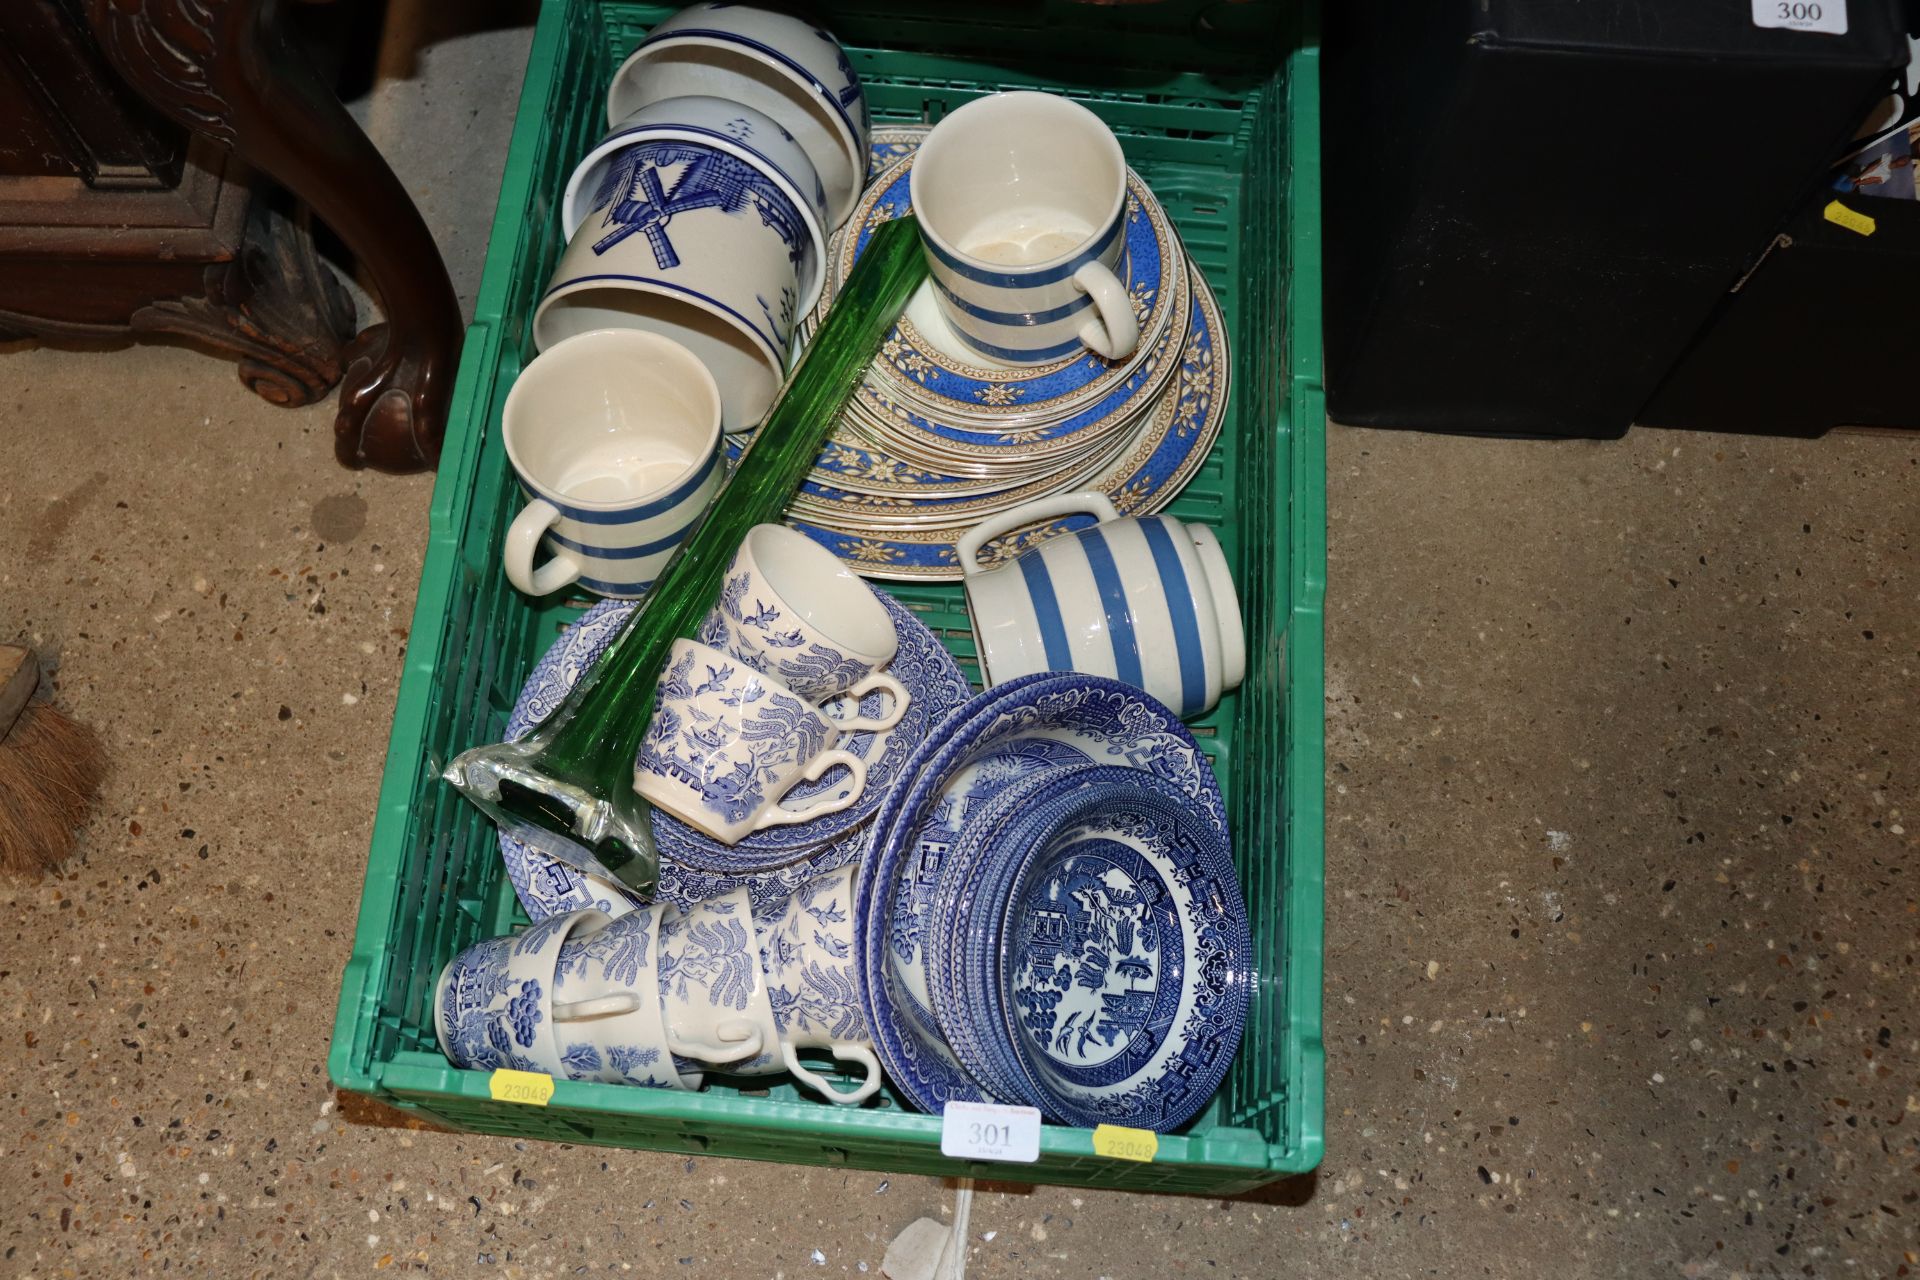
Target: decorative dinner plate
(545, 886)
(1123, 963)
(971, 897)
(1021, 727)
(1142, 479)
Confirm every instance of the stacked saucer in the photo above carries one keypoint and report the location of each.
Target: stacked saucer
(937, 438)
(1050, 911)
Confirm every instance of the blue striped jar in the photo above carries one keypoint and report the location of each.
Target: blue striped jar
(1144, 599)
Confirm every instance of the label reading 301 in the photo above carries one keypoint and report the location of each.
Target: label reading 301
(986, 1131)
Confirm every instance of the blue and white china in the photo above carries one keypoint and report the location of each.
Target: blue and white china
(925, 365)
(1146, 600)
(971, 895)
(1026, 726)
(727, 743)
(789, 69)
(493, 1006)
(615, 436)
(1124, 963)
(728, 127)
(790, 608)
(693, 243)
(712, 991)
(1021, 199)
(807, 955)
(621, 957)
(1144, 474)
(773, 862)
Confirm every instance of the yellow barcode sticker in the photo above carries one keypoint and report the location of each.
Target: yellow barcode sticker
(1851, 219)
(1122, 1143)
(529, 1088)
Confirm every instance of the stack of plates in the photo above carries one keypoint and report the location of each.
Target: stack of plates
(934, 442)
(1049, 914)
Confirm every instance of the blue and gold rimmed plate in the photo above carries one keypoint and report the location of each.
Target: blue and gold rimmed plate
(913, 539)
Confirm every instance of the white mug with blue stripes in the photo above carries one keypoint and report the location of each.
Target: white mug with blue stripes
(1143, 599)
(1022, 202)
(615, 435)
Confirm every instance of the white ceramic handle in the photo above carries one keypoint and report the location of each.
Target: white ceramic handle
(1116, 333)
(742, 1043)
(523, 539)
(878, 680)
(778, 816)
(600, 1007)
(844, 1053)
(1084, 502)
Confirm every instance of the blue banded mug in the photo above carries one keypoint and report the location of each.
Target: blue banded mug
(1144, 599)
(1022, 201)
(615, 436)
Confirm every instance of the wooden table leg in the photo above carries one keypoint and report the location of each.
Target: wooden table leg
(228, 70)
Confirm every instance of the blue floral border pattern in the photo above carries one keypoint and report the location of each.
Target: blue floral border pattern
(1176, 443)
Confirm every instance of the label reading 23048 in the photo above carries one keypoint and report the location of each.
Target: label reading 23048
(1826, 16)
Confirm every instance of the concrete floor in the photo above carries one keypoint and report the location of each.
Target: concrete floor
(1621, 831)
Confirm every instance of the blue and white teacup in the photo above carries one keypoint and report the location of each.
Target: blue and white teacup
(712, 992)
(1146, 600)
(494, 1005)
(779, 64)
(807, 954)
(727, 743)
(1022, 202)
(791, 608)
(692, 242)
(615, 436)
(628, 1045)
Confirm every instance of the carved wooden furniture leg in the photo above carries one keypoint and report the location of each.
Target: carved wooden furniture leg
(228, 70)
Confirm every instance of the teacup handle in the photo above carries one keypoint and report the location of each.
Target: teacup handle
(1116, 333)
(523, 539)
(742, 1043)
(820, 1084)
(779, 816)
(878, 680)
(599, 1007)
(1084, 502)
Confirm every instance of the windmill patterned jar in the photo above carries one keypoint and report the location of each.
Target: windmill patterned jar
(692, 242)
(727, 743)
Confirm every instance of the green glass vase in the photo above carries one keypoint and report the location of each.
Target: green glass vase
(567, 788)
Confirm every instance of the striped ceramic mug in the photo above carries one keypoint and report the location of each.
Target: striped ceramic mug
(615, 435)
(1022, 202)
(1144, 599)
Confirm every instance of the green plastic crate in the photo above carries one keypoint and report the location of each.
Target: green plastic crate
(1233, 152)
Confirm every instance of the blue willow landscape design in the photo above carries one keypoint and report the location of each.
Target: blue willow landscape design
(709, 955)
(814, 994)
(728, 760)
(745, 632)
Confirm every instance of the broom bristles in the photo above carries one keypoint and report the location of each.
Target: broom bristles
(50, 767)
